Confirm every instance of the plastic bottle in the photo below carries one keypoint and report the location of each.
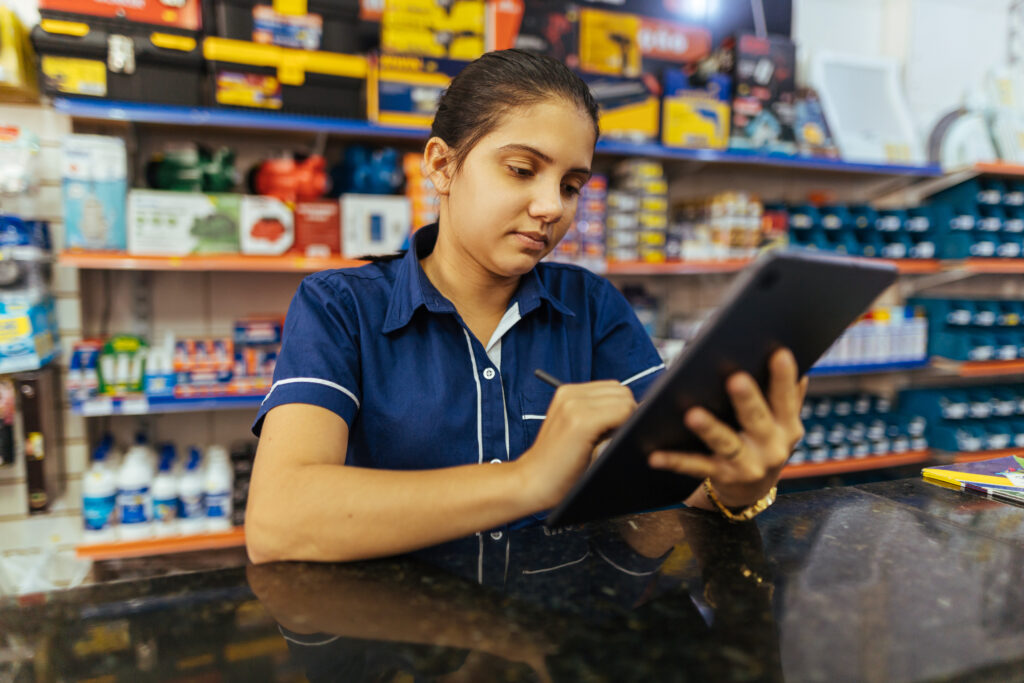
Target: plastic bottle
(135, 495)
(99, 496)
(191, 507)
(165, 495)
(217, 484)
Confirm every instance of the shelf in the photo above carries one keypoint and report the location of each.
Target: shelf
(987, 368)
(986, 455)
(995, 266)
(871, 462)
(906, 266)
(111, 260)
(106, 110)
(167, 545)
(151, 405)
(999, 168)
(832, 371)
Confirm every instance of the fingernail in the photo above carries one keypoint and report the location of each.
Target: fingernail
(656, 459)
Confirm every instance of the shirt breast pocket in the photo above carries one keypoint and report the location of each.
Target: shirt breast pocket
(533, 409)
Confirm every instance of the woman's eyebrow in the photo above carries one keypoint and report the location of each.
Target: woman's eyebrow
(515, 147)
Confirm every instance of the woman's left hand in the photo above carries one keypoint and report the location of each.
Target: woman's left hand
(744, 466)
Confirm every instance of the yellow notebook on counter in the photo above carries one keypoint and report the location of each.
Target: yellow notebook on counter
(999, 478)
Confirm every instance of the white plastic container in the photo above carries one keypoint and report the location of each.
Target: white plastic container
(217, 485)
(165, 495)
(135, 495)
(99, 496)
(191, 505)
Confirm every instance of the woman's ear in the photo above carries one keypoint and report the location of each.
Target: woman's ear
(439, 164)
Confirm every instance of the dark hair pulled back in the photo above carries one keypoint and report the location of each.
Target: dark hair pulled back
(489, 87)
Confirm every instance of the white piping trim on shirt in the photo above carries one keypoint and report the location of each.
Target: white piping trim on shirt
(623, 569)
(302, 642)
(534, 417)
(310, 380)
(560, 566)
(479, 401)
(646, 372)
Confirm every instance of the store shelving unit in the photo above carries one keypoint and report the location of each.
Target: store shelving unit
(873, 462)
(162, 546)
(988, 368)
(841, 370)
(151, 405)
(110, 260)
(134, 112)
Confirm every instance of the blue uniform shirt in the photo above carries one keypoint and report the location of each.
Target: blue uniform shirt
(382, 348)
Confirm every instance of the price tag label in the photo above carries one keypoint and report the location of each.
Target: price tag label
(102, 405)
(135, 406)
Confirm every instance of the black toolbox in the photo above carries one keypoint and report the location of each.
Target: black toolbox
(326, 25)
(85, 56)
(255, 76)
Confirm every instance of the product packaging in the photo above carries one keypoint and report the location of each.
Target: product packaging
(94, 170)
(182, 223)
(267, 226)
(374, 224)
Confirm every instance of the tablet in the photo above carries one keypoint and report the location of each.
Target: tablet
(802, 300)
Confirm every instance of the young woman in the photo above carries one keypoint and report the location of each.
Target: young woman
(405, 412)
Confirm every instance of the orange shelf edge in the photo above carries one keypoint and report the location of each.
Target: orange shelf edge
(986, 455)
(993, 266)
(162, 546)
(675, 267)
(873, 462)
(983, 368)
(999, 168)
(228, 262)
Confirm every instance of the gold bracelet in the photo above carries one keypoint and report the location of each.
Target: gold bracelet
(745, 514)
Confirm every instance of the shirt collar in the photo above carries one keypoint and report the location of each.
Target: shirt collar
(414, 289)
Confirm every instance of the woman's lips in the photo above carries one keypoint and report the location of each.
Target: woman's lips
(532, 241)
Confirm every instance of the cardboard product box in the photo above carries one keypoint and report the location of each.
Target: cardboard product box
(317, 228)
(629, 109)
(695, 117)
(28, 335)
(624, 44)
(404, 91)
(764, 97)
(94, 181)
(267, 226)
(538, 26)
(374, 225)
(182, 223)
(452, 29)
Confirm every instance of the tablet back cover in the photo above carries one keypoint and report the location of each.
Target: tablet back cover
(796, 299)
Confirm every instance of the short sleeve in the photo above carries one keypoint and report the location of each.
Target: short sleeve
(319, 359)
(622, 348)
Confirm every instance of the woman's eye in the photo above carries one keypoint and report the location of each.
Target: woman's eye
(570, 190)
(521, 172)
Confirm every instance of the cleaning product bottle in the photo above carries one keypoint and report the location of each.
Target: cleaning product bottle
(135, 494)
(99, 495)
(217, 484)
(165, 494)
(191, 508)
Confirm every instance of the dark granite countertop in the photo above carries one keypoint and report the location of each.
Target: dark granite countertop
(899, 581)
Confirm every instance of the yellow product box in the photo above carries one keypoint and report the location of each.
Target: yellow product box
(17, 67)
(695, 122)
(404, 91)
(425, 28)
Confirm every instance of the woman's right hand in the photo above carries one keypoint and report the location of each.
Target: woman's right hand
(577, 419)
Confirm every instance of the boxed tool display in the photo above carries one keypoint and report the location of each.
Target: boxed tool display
(86, 56)
(430, 28)
(404, 91)
(182, 223)
(173, 15)
(328, 25)
(255, 76)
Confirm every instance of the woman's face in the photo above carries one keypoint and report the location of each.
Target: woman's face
(515, 195)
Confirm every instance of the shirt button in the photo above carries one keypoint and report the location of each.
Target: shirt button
(489, 373)
(496, 535)
(497, 461)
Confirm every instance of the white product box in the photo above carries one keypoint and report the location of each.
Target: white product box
(374, 225)
(181, 223)
(94, 171)
(267, 227)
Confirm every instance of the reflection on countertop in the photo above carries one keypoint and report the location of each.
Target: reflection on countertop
(900, 581)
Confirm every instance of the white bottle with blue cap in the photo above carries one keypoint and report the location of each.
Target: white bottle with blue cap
(218, 483)
(135, 493)
(165, 494)
(99, 495)
(191, 506)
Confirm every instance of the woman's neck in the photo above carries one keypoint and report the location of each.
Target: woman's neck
(480, 296)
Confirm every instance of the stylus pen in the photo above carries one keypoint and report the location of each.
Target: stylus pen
(547, 378)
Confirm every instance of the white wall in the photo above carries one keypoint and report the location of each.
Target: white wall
(943, 46)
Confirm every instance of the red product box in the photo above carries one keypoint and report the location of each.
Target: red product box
(317, 228)
(183, 14)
